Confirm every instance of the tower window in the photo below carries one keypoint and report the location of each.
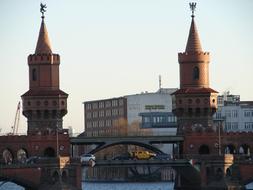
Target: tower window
(195, 73)
(34, 75)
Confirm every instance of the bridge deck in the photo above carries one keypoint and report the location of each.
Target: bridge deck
(115, 139)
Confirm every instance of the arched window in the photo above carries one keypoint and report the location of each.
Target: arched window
(22, 155)
(34, 75)
(195, 73)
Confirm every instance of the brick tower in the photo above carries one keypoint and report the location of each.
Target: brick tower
(44, 104)
(195, 102)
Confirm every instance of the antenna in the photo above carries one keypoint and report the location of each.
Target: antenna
(160, 82)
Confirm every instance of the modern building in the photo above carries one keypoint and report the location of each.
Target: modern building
(234, 115)
(152, 111)
(130, 113)
(102, 117)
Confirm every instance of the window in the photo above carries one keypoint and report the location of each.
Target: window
(114, 112)
(228, 125)
(34, 75)
(101, 105)
(108, 104)
(247, 113)
(95, 114)
(101, 123)
(228, 113)
(195, 73)
(101, 113)
(248, 125)
(108, 113)
(121, 102)
(88, 106)
(88, 115)
(234, 125)
(121, 111)
(234, 113)
(94, 105)
(115, 103)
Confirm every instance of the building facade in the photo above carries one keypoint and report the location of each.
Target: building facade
(103, 117)
(235, 115)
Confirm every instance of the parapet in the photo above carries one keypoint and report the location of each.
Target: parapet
(44, 58)
(186, 57)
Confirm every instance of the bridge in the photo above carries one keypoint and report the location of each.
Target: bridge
(45, 173)
(103, 142)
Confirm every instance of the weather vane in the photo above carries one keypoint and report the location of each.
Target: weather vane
(43, 9)
(192, 7)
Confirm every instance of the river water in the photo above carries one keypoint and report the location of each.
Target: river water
(108, 186)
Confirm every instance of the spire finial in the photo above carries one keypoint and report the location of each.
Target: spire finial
(192, 7)
(43, 9)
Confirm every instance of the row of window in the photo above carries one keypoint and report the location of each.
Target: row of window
(248, 125)
(104, 104)
(233, 114)
(103, 123)
(159, 119)
(248, 113)
(190, 101)
(231, 125)
(45, 103)
(104, 113)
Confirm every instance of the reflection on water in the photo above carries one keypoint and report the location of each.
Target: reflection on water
(108, 186)
(128, 186)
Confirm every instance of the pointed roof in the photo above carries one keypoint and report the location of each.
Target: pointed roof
(43, 43)
(193, 43)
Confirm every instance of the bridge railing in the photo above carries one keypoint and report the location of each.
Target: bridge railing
(128, 134)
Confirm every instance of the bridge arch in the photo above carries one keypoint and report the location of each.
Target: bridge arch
(16, 181)
(244, 149)
(8, 156)
(144, 145)
(230, 149)
(22, 155)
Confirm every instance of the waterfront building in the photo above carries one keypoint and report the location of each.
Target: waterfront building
(233, 114)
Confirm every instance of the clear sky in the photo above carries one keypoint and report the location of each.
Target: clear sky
(111, 48)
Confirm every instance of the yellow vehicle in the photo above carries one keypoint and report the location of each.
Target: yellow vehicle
(142, 155)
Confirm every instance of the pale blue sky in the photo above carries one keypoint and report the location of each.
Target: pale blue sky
(111, 48)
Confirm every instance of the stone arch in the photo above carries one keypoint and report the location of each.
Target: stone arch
(230, 149)
(204, 149)
(49, 152)
(22, 155)
(7, 156)
(244, 149)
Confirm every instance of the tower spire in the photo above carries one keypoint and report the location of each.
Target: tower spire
(193, 43)
(43, 44)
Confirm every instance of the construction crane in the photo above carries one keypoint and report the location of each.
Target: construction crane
(16, 121)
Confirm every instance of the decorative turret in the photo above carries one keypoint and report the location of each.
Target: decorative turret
(194, 103)
(44, 104)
